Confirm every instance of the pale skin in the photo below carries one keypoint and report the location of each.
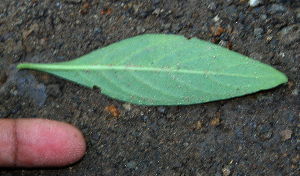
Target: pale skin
(38, 142)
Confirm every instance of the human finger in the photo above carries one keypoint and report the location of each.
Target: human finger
(39, 143)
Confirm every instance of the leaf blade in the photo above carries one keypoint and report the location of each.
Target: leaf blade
(160, 69)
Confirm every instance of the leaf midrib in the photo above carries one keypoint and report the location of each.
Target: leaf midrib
(48, 67)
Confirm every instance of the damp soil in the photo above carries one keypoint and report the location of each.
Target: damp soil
(257, 134)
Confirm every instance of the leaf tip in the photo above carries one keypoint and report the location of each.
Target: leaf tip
(283, 78)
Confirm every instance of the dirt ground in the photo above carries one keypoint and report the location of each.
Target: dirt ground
(258, 134)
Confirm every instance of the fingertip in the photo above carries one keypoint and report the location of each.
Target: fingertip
(7, 149)
(46, 143)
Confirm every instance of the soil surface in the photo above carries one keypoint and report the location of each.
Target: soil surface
(258, 134)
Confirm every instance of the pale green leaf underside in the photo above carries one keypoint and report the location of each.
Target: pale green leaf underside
(161, 69)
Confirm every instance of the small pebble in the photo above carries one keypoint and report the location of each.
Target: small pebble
(3, 76)
(31, 90)
(218, 174)
(74, 1)
(155, 2)
(113, 110)
(176, 27)
(212, 6)
(277, 8)
(254, 3)
(161, 109)
(265, 131)
(263, 17)
(167, 26)
(143, 14)
(140, 29)
(223, 43)
(285, 134)
(131, 164)
(3, 112)
(258, 32)
(216, 18)
(215, 122)
(226, 170)
(296, 159)
(289, 34)
(295, 92)
(127, 106)
(54, 90)
(298, 14)
(76, 114)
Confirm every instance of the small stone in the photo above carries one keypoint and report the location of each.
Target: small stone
(49, 24)
(265, 132)
(298, 147)
(218, 174)
(268, 99)
(97, 31)
(85, 8)
(3, 112)
(216, 19)
(155, 2)
(289, 34)
(216, 122)
(216, 30)
(223, 43)
(112, 109)
(294, 69)
(135, 8)
(76, 114)
(298, 13)
(95, 138)
(285, 134)
(30, 89)
(16, 50)
(74, 1)
(277, 8)
(258, 32)
(263, 17)
(212, 6)
(231, 12)
(226, 170)
(143, 14)
(33, 28)
(140, 29)
(167, 26)
(3, 76)
(296, 159)
(256, 56)
(127, 106)
(295, 92)
(176, 27)
(54, 90)
(199, 125)
(131, 164)
(254, 3)
(161, 109)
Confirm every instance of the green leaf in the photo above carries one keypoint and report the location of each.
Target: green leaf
(161, 69)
